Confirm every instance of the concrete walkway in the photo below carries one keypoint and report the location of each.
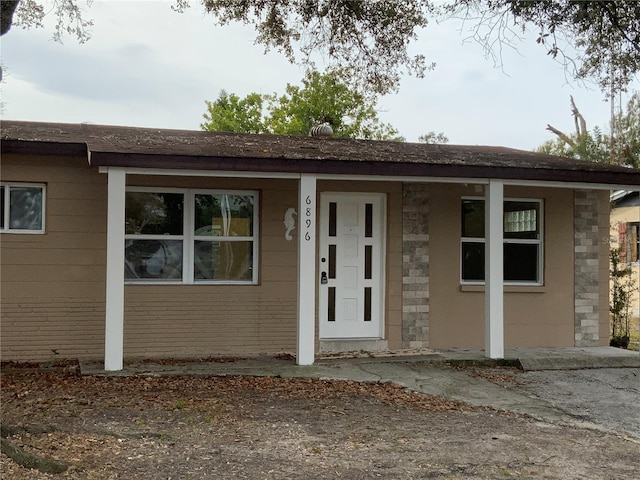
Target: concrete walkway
(427, 372)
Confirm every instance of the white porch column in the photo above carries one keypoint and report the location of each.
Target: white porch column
(305, 352)
(493, 267)
(114, 324)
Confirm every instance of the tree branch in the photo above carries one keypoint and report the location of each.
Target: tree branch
(561, 135)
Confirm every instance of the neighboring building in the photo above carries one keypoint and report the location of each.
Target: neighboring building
(625, 234)
(128, 242)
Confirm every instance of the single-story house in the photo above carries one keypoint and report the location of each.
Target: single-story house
(121, 242)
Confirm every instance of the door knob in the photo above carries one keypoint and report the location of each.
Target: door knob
(323, 278)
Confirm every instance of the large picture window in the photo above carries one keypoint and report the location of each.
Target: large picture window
(22, 208)
(190, 236)
(522, 232)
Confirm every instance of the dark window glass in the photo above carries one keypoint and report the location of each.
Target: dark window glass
(25, 208)
(368, 259)
(473, 218)
(520, 262)
(1, 207)
(332, 261)
(473, 261)
(331, 310)
(368, 220)
(332, 218)
(154, 213)
(367, 304)
(153, 259)
(223, 260)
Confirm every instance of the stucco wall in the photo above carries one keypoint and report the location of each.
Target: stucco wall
(533, 316)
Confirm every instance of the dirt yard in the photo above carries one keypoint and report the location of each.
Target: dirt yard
(258, 428)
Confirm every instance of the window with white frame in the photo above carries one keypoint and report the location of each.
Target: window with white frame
(22, 207)
(523, 241)
(191, 236)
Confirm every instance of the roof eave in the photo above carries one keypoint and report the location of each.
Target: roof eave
(359, 168)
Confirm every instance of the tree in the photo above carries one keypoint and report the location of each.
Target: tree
(69, 15)
(230, 113)
(321, 98)
(603, 33)
(7, 9)
(433, 137)
(622, 287)
(622, 146)
(369, 39)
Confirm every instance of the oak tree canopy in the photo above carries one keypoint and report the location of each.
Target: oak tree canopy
(369, 40)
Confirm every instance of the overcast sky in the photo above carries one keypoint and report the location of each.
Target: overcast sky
(146, 65)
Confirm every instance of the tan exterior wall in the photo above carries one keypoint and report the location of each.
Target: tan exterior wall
(53, 289)
(202, 320)
(533, 316)
(393, 285)
(52, 284)
(626, 215)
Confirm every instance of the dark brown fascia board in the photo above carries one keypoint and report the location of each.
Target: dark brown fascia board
(361, 167)
(29, 147)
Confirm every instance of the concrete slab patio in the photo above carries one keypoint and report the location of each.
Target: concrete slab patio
(527, 359)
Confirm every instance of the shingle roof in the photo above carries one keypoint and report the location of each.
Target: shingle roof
(183, 149)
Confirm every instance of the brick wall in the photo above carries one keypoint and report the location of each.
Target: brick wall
(415, 265)
(586, 268)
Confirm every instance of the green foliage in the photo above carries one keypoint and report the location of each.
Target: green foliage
(321, 98)
(230, 113)
(623, 286)
(604, 33)
(369, 39)
(433, 137)
(596, 146)
(592, 146)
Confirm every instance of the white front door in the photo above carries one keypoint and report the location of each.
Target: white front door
(352, 238)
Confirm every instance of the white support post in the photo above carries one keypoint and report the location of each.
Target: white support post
(305, 352)
(493, 267)
(114, 322)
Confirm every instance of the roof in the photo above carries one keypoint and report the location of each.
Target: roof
(625, 198)
(197, 150)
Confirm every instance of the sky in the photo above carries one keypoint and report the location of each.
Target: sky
(148, 66)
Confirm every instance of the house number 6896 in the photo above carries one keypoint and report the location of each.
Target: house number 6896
(307, 213)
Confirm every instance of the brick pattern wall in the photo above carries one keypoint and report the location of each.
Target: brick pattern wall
(586, 268)
(415, 265)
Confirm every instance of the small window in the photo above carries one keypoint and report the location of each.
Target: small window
(22, 208)
(522, 233)
(190, 236)
(629, 242)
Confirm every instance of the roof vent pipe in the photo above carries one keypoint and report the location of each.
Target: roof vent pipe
(322, 130)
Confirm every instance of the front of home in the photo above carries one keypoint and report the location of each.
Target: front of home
(126, 243)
